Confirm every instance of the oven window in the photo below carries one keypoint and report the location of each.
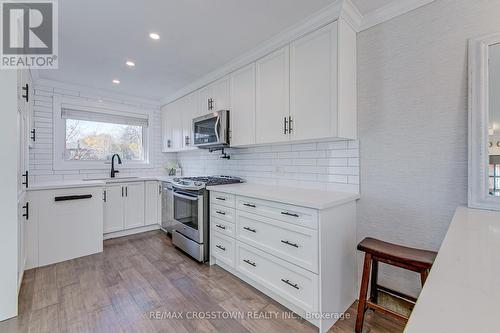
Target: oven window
(186, 212)
(204, 131)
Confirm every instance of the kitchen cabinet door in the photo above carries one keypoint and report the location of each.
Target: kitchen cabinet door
(21, 238)
(272, 97)
(221, 94)
(134, 205)
(313, 85)
(152, 202)
(113, 209)
(242, 114)
(166, 129)
(204, 95)
(189, 111)
(171, 123)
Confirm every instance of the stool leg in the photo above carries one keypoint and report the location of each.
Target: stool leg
(362, 293)
(373, 282)
(423, 276)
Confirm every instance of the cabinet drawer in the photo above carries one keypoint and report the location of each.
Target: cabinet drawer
(222, 248)
(223, 199)
(221, 226)
(302, 216)
(295, 244)
(296, 285)
(223, 213)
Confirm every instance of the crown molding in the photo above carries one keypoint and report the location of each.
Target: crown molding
(339, 9)
(390, 11)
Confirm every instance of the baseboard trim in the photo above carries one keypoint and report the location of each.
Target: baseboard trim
(133, 231)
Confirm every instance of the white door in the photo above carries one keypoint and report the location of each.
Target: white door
(153, 191)
(134, 205)
(242, 114)
(313, 84)
(113, 208)
(272, 97)
(221, 94)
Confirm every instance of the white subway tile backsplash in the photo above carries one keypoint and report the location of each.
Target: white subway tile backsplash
(41, 152)
(328, 166)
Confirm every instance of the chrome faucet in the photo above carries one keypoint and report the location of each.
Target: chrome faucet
(113, 171)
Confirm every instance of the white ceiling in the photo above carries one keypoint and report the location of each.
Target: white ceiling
(197, 36)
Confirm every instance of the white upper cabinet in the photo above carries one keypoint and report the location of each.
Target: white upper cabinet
(214, 97)
(242, 114)
(189, 110)
(272, 97)
(171, 127)
(166, 129)
(322, 84)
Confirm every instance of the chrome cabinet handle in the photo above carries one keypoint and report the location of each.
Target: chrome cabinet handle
(26, 208)
(220, 226)
(186, 140)
(250, 229)
(26, 177)
(249, 205)
(219, 212)
(294, 285)
(250, 262)
(290, 122)
(220, 247)
(291, 244)
(289, 214)
(285, 125)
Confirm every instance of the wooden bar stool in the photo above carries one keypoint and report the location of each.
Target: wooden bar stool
(376, 251)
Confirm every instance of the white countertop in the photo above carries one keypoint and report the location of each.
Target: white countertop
(462, 291)
(294, 196)
(92, 183)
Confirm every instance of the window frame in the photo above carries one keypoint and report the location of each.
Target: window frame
(59, 133)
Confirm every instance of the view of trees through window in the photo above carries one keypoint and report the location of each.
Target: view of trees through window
(97, 141)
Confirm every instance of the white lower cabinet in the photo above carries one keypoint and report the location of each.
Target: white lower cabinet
(113, 209)
(302, 257)
(64, 224)
(152, 202)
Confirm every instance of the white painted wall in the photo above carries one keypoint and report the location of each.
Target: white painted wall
(412, 90)
(8, 195)
(41, 155)
(327, 166)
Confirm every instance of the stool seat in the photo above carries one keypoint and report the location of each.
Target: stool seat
(398, 253)
(376, 251)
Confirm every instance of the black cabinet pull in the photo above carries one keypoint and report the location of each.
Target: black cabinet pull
(126, 191)
(104, 196)
(26, 211)
(289, 214)
(219, 198)
(285, 125)
(169, 143)
(250, 229)
(220, 226)
(210, 104)
(25, 175)
(26, 88)
(296, 286)
(33, 134)
(73, 197)
(186, 140)
(249, 205)
(288, 243)
(250, 263)
(221, 213)
(220, 247)
(290, 122)
(122, 191)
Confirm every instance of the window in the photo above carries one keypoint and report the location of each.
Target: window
(87, 135)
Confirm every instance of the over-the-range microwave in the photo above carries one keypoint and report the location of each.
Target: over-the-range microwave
(211, 130)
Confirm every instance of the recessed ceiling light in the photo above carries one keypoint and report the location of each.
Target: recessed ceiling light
(154, 36)
(115, 81)
(130, 63)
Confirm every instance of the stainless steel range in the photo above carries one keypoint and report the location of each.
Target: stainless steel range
(191, 204)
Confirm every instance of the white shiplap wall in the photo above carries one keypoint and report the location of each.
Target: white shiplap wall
(329, 166)
(41, 153)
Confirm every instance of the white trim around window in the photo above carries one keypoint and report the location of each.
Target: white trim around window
(101, 108)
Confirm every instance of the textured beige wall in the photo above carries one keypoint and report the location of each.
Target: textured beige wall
(412, 104)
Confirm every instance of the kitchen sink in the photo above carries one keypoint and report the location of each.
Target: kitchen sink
(112, 180)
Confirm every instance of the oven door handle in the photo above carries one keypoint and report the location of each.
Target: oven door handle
(188, 197)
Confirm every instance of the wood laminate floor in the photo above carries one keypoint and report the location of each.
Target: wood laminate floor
(118, 289)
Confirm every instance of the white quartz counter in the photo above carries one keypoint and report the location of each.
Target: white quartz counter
(462, 291)
(92, 183)
(294, 196)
